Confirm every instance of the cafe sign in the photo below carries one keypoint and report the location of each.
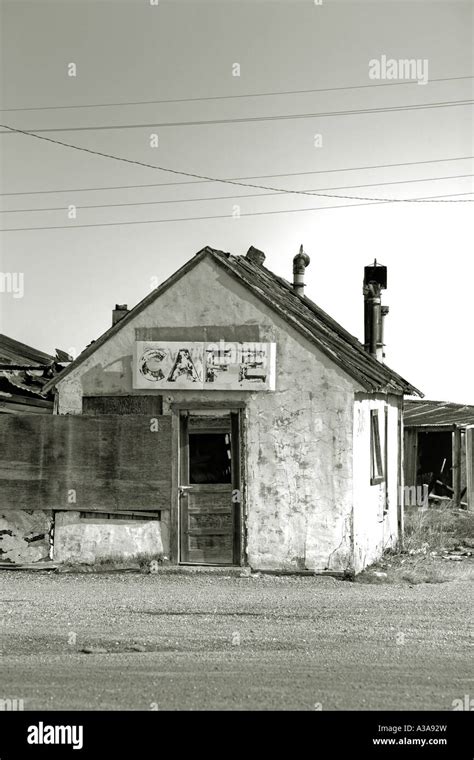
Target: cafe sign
(185, 365)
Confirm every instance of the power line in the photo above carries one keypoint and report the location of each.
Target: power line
(253, 119)
(215, 179)
(215, 216)
(253, 176)
(232, 97)
(229, 197)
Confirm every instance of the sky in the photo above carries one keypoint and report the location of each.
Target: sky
(124, 52)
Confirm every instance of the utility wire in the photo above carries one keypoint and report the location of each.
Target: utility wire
(224, 181)
(252, 119)
(227, 197)
(231, 97)
(253, 176)
(199, 218)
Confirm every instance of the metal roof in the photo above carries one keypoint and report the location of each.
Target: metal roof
(298, 311)
(437, 413)
(307, 317)
(14, 352)
(24, 373)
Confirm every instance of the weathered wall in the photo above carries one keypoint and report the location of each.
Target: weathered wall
(298, 464)
(375, 529)
(86, 541)
(25, 535)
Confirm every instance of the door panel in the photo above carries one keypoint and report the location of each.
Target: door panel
(208, 516)
(208, 524)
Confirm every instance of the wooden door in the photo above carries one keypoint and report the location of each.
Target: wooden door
(209, 496)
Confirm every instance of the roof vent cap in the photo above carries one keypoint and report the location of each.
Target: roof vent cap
(255, 256)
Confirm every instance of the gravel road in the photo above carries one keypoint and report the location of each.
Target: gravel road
(139, 642)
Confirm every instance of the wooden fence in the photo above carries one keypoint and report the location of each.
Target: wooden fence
(101, 463)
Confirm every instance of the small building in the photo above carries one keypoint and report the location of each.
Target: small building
(439, 453)
(227, 420)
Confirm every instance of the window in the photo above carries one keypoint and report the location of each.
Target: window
(209, 458)
(376, 461)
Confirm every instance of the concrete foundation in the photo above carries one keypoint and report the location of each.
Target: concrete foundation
(89, 540)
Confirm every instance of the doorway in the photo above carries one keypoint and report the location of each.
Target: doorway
(209, 488)
(435, 463)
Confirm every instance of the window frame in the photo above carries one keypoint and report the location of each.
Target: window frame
(377, 470)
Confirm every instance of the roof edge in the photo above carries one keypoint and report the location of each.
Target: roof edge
(186, 267)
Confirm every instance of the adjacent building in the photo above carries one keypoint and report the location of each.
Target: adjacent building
(25, 530)
(439, 453)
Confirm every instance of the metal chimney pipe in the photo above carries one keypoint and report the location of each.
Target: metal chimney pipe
(384, 311)
(372, 317)
(375, 280)
(300, 262)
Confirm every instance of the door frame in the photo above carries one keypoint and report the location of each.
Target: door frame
(469, 454)
(240, 537)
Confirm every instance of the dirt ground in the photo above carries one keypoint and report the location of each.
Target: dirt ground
(206, 641)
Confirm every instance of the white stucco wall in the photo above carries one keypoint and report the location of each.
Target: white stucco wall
(375, 529)
(85, 541)
(299, 462)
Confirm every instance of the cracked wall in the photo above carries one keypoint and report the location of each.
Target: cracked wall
(25, 535)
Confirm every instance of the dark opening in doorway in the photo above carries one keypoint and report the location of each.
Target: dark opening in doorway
(435, 463)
